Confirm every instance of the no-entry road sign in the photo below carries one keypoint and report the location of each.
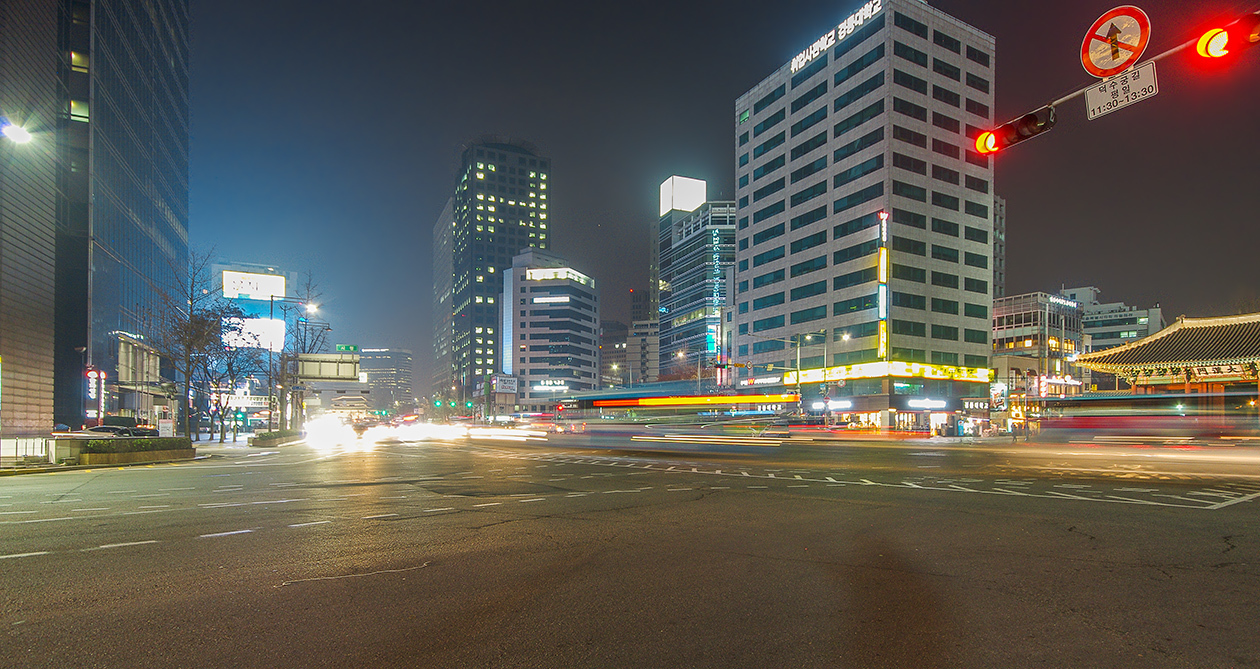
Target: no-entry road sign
(1115, 41)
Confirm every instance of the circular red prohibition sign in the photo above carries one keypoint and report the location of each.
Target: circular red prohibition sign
(1115, 41)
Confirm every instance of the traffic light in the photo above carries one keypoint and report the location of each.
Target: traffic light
(437, 404)
(720, 365)
(468, 404)
(1014, 132)
(1230, 39)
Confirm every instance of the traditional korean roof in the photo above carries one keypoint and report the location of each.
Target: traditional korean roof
(1189, 342)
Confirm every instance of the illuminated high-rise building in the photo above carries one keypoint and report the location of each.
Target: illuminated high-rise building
(878, 115)
(499, 208)
(695, 245)
(388, 372)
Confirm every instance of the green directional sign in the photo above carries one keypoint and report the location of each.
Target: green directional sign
(347, 348)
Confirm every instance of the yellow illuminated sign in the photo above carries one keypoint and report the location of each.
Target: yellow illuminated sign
(875, 370)
(883, 340)
(699, 400)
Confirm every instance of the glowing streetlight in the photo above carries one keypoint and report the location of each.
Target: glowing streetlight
(16, 133)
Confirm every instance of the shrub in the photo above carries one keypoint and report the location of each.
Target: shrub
(276, 435)
(125, 445)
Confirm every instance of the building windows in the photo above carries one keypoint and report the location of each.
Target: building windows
(910, 81)
(944, 279)
(856, 225)
(857, 171)
(910, 53)
(858, 92)
(909, 301)
(807, 315)
(769, 144)
(871, 57)
(768, 234)
(976, 235)
(813, 265)
(769, 123)
(943, 358)
(874, 110)
(975, 336)
(768, 324)
(871, 139)
(768, 100)
(946, 122)
(910, 25)
(977, 56)
(941, 39)
(909, 109)
(910, 137)
(977, 184)
(976, 285)
(907, 328)
(809, 145)
(944, 227)
(907, 245)
(944, 332)
(769, 189)
(909, 191)
(865, 195)
(768, 167)
(767, 212)
(809, 121)
(976, 311)
(856, 304)
(945, 174)
(811, 168)
(976, 260)
(768, 256)
(910, 218)
(976, 209)
(767, 279)
(808, 217)
(809, 290)
(944, 253)
(943, 68)
(947, 96)
(768, 301)
(978, 83)
(809, 96)
(805, 73)
(854, 278)
(944, 306)
(908, 273)
(809, 242)
(944, 201)
(856, 251)
(909, 164)
(977, 108)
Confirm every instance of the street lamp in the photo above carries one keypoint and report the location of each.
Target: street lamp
(682, 355)
(16, 133)
(271, 316)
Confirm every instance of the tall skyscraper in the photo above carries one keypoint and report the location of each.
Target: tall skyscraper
(388, 373)
(443, 292)
(876, 116)
(550, 329)
(499, 207)
(123, 219)
(99, 200)
(30, 98)
(695, 246)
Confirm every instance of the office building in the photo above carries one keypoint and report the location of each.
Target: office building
(388, 373)
(643, 352)
(103, 85)
(612, 353)
(874, 119)
(440, 374)
(499, 207)
(1110, 324)
(999, 247)
(696, 245)
(550, 329)
(1045, 331)
(30, 100)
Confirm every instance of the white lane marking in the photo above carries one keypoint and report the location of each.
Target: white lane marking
(279, 501)
(1236, 500)
(22, 555)
(118, 492)
(225, 534)
(798, 486)
(221, 505)
(99, 508)
(395, 497)
(123, 545)
(677, 489)
(44, 520)
(381, 515)
(445, 508)
(1134, 501)
(173, 489)
(536, 499)
(755, 486)
(62, 501)
(317, 522)
(1137, 489)
(14, 513)
(719, 487)
(157, 506)
(489, 504)
(280, 485)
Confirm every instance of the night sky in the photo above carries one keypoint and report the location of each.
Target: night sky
(326, 136)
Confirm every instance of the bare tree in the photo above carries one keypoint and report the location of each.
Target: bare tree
(237, 356)
(186, 323)
(304, 333)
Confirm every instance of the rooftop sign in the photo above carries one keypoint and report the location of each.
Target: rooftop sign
(837, 34)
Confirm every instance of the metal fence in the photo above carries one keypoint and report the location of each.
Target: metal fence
(16, 452)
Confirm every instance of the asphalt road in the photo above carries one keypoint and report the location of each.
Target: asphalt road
(557, 554)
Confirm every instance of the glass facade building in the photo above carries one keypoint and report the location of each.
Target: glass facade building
(388, 373)
(122, 238)
(499, 208)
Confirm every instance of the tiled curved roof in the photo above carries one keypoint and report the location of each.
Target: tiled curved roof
(1187, 342)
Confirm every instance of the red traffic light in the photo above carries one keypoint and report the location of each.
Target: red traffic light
(1221, 42)
(1014, 132)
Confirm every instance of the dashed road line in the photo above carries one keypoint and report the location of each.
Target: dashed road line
(225, 534)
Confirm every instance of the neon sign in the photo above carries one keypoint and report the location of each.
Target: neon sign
(837, 34)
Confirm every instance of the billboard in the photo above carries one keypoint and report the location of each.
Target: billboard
(328, 366)
(265, 333)
(250, 286)
(504, 384)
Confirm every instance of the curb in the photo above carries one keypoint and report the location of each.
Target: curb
(49, 469)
